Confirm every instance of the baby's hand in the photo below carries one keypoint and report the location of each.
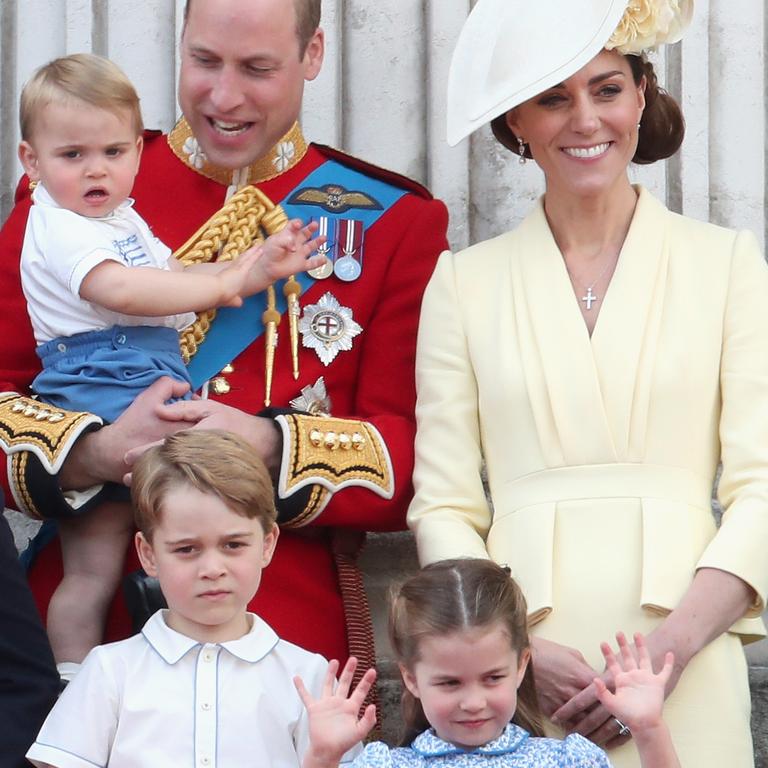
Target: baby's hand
(335, 724)
(639, 697)
(287, 251)
(234, 280)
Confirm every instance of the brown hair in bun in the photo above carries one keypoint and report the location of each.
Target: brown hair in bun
(662, 126)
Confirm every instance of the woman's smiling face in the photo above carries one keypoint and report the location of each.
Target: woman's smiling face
(583, 132)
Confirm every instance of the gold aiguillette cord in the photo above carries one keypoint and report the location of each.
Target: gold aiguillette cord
(271, 318)
(292, 291)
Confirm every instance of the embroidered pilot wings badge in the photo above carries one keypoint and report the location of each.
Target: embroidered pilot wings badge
(334, 198)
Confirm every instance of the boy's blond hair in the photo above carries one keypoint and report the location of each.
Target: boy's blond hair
(211, 461)
(80, 77)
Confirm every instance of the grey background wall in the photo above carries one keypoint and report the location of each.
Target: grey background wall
(381, 95)
(382, 92)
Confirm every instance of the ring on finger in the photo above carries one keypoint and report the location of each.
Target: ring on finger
(623, 729)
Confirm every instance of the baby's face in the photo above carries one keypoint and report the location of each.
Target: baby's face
(86, 157)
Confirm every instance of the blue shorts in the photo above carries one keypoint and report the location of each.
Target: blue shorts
(102, 372)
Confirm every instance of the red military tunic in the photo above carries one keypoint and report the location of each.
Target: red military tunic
(373, 381)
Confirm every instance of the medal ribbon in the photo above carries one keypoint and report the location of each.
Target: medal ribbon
(235, 328)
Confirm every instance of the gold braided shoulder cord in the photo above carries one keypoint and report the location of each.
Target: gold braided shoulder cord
(243, 220)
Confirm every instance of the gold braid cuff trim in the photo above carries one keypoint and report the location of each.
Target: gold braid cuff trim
(243, 221)
(334, 454)
(17, 479)
(29, 425)
(318, 500)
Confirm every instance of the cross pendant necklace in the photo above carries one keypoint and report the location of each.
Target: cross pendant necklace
(590, 298)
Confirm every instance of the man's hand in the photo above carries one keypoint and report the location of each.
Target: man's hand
(260, 432)
(99, 457)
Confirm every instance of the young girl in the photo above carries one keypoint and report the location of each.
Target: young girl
(459, 631)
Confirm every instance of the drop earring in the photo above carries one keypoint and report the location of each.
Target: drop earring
(521, 151)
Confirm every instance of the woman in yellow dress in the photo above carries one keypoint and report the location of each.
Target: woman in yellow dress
(600, 360)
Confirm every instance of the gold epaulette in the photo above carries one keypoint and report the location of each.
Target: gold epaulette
(331, 454)
(27, 424)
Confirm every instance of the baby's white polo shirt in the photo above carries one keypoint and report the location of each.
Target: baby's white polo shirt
(162, 700)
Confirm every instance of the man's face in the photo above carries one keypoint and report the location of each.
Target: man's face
(241, 80)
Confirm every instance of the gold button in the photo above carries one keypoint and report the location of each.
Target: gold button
(228, 368)
(345, 441)
(358, 441)
(316, 437)
(220, 386)
(331, 441)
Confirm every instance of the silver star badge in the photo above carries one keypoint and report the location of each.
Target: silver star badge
(328, 328)
(313, 399)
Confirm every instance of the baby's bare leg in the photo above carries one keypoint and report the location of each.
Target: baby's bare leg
(93, 550)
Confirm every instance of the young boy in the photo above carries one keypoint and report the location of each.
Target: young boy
(106, 299)
(205, 684)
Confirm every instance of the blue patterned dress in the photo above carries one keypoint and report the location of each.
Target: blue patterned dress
(515, 748)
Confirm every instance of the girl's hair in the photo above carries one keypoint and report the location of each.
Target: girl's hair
(662, 126)
(452, 596)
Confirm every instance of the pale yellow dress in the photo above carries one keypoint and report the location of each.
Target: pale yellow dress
(601, 451)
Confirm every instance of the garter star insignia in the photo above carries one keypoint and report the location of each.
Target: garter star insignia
(328, 328)
(334, 198)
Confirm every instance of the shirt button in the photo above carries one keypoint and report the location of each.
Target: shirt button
(61, 347)
(207, 656)
(205, 761)
(120, 339)
(205, 705)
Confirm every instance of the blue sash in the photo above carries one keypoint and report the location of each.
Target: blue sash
(235, 328)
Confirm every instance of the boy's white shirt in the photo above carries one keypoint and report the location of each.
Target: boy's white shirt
(61, 247)
(161, 699)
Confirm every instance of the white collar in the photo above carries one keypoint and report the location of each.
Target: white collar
(172, 646)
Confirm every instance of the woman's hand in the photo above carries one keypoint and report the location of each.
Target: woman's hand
(585, 714)
(335, 724)
(561, 673)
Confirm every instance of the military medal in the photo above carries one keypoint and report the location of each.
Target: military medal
(328, 328)
(349, 259)
(326, 228)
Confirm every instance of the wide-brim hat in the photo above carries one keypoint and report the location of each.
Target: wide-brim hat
(509, 50)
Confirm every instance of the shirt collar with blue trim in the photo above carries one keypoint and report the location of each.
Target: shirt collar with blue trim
(429, 744)
(172, 646)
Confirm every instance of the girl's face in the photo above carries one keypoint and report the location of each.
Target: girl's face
(467, 683)
(583, 132)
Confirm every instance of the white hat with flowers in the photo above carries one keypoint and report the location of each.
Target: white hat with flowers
(510, 50)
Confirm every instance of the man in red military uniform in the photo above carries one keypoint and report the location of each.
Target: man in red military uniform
(243, 68)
